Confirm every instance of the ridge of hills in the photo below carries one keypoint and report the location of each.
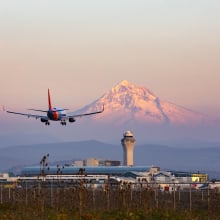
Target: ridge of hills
(127, 107)
(206, 158)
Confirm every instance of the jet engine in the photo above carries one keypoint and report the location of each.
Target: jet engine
(43, 120)
(71, 120)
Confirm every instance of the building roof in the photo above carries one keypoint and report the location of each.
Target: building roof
(107, 170)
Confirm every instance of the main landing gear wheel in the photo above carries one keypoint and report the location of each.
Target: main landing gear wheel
(47, 123)
(63, 123)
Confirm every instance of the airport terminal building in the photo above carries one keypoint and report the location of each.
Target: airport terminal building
(76, 170)
(108, 168)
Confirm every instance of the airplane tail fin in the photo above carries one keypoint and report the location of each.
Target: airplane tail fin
(49, 101)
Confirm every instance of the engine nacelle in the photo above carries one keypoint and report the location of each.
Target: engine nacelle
(43, 120)
(71, 120)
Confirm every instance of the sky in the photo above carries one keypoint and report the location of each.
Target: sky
(80, 49)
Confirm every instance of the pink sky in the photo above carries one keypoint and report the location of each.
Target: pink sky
(81, 49)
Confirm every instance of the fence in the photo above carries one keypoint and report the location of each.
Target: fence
(81, 196)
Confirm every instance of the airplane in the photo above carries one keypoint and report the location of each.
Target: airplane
(55, 114)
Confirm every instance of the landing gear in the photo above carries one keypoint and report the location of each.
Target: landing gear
(63, 123)
(47, 123)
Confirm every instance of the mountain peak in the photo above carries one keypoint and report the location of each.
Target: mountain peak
(127, 103)
(126, 88)
(124, 83)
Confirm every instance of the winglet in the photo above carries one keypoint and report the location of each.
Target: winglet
(49, 102)
(103, 108)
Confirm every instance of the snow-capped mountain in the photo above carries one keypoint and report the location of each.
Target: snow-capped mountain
(131, 104)
(127, 107)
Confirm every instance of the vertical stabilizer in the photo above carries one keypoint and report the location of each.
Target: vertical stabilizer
(49, 102)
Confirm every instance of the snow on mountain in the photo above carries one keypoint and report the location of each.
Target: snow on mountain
(131, 104)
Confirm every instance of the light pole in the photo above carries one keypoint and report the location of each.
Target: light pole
(174, 193)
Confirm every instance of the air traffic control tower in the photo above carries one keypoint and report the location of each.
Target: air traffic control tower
(128, 148)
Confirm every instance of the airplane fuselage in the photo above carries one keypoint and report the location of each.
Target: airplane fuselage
(56, 114)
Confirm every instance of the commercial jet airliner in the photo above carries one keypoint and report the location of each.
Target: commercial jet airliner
(55, 114)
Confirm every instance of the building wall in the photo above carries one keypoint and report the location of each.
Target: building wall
(93, 162)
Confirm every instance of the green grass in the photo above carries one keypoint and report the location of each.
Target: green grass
(18, 212)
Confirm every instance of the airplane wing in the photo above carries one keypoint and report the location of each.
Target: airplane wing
(85, 114)
(61, 117)
(29, 115)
